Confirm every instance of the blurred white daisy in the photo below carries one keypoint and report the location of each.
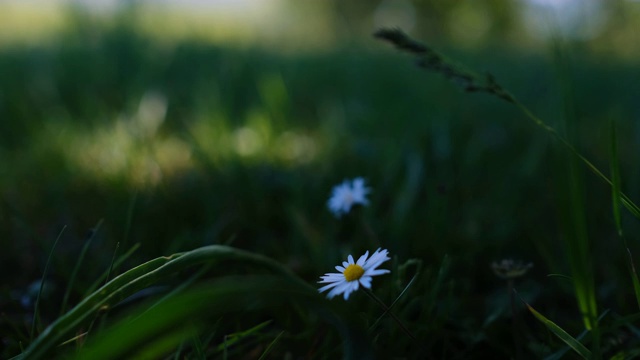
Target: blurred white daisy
(353, 274)
(347, 194)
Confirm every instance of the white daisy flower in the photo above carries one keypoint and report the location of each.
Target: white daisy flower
(353, 274)
(346, 195)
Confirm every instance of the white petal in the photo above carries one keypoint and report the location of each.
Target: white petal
(376, 259)
(366, 281)
(342, 287)
(379, 253)
(327, 287)
(352, 286)
(331, 278)
(350, 258)
(363, 258)
(376, 272)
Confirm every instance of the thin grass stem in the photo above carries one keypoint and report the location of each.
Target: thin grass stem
(127, 228)
(429, 59)
(74, 274)
(394, 302)
(514, 318)
(36, 310)
(387, 310)
(113, 258)
(271, 344)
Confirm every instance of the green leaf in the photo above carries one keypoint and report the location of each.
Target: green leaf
(266, 351)
(616, 197)
(179, 317)
(615, 179)
(562, 335)
(163, 268)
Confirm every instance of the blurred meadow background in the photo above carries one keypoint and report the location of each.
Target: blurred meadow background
(132, 130)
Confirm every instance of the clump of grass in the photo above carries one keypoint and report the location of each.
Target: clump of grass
(186, 307)
(578, 245)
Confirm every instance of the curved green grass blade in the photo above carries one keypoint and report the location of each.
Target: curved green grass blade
(560, 353)
(179, 317)
(155, 271)
(101, 280)
(126, 338)
(561, 334)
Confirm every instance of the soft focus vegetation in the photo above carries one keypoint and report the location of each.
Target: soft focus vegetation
(144, 132)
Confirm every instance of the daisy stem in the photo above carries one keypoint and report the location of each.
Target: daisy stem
(388, 311)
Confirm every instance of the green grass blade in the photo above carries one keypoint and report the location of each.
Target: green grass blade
(113, 259)
(159, 269)
(166, 321)
(474, 83)
(573, 213)
(616, 196)
(435, 289)
(560, 353)
(158, 347)
(36, 310)
(626, 201)
(373, 326)
(271, 344)
(239, 336)
(574, 223)
(177, 317)
(615, 179)
(198, 347)
(101, 279)
(634, 277)
(625, 320)
(76, 268)
(562, 335)
(129, 221)
(183, 286)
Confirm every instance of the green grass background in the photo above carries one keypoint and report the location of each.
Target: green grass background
(457, 179)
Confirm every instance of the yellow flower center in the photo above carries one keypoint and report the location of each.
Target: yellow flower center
(353, 272)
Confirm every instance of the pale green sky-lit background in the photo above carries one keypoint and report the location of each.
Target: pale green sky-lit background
(303, 25)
